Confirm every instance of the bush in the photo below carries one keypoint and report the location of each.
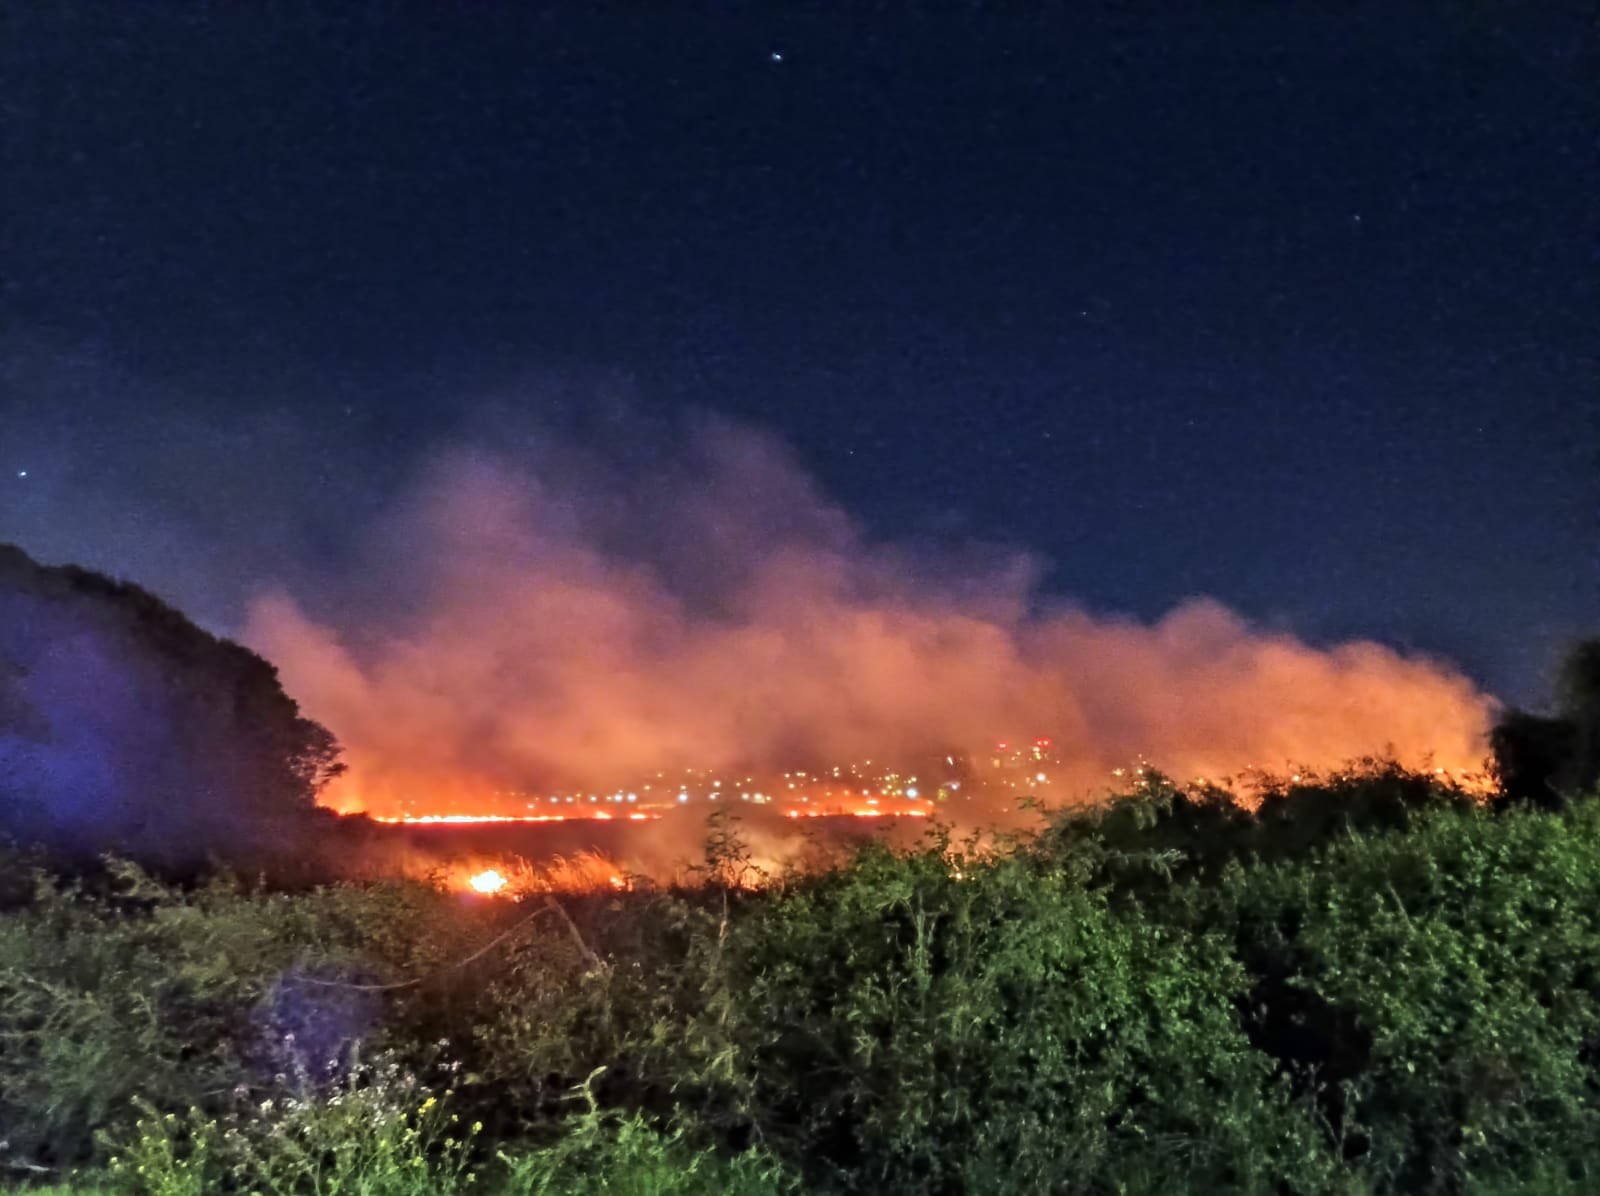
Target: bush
(1440, 989)
(375, 1132)
(937, 1023)
(623, 1155)
(147, 992)
(1408, 1001)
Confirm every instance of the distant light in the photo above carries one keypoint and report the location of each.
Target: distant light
(1039, 776)
(912, 792)
(22, 473)
(776, 56)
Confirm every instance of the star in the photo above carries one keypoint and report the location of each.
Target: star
(776, 56)
(22, 473)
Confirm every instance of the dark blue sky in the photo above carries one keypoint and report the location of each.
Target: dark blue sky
(1290, 304)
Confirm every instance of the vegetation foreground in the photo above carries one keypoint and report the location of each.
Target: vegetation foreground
(1368, 985)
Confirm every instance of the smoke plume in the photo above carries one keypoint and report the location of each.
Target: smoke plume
(546, 620)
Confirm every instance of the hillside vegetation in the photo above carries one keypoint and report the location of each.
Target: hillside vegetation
(1171, 995)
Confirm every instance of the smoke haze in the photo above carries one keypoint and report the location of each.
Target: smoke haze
(536, 618)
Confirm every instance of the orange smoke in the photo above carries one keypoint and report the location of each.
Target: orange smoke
(543, 636)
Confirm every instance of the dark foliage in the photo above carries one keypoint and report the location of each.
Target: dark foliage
(1541, 760)
(1407, 1002)
(1530, 753)
(123, 725)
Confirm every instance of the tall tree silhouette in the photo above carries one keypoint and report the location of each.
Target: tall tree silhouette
(124, 725)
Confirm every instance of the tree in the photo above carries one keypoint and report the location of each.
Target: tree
(1542, 760)
(124, 725)
(1578, 697)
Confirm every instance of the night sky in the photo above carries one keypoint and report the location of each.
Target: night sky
(1291, 305)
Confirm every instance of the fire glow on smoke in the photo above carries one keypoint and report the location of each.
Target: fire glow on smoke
(550, 631)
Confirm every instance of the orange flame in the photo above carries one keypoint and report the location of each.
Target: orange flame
(516, 878)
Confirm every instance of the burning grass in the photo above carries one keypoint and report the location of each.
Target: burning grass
(516, 878)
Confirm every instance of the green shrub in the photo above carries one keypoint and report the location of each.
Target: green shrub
(623, 1155)
(175, 998)
(1406, 1000)
(376, 1132)
(632, 989)
(936, 1023)
(1439, 988)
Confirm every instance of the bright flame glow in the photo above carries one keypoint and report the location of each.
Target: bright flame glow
(488, 881)
(466, 819)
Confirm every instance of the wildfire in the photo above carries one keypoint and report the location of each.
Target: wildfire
(488, 881)
(515, 877)
(471, 819)
(858, 812)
